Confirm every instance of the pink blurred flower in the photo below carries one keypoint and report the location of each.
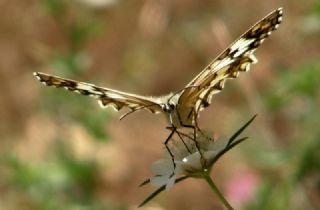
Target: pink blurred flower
(241, 189)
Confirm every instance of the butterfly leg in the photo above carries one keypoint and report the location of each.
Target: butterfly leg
(194, 128)
(194, 139)
(181, 135)
(166, 142)
(174, 130)
(202, 133)
(196, 122)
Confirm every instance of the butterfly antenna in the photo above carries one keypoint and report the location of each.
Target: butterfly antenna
(134, 110)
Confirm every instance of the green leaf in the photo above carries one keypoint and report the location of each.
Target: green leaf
(159, 190)
(144, 183)
(227, 148)
(236, 134)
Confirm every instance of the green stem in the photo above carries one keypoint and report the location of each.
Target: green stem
(217, 192)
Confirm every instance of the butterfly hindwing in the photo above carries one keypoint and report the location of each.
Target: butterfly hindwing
(105, 96)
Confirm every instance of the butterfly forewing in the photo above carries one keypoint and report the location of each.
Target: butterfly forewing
(236, 58)
(105, 96)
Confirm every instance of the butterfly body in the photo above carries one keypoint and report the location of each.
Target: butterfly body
(176, 114)
(182, 108)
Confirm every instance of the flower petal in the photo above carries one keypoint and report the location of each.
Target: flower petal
(193, 159)
(209, 155)
(162, 167)
(160, 180)
(171, 182)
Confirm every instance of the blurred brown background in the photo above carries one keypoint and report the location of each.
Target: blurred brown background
(59, 150)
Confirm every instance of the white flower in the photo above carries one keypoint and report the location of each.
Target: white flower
(188, 160)
(192, 158)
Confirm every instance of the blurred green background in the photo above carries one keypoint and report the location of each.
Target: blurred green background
(59, 150)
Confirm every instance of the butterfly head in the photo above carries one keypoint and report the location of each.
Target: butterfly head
(168, 107)
(168, 103)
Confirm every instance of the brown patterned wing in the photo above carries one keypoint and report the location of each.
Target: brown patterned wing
(106, 97)
(237, 58)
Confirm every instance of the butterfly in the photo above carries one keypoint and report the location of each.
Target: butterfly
(182, 108)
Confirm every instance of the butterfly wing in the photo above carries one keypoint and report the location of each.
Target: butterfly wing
(105, 96)
(237, 58)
